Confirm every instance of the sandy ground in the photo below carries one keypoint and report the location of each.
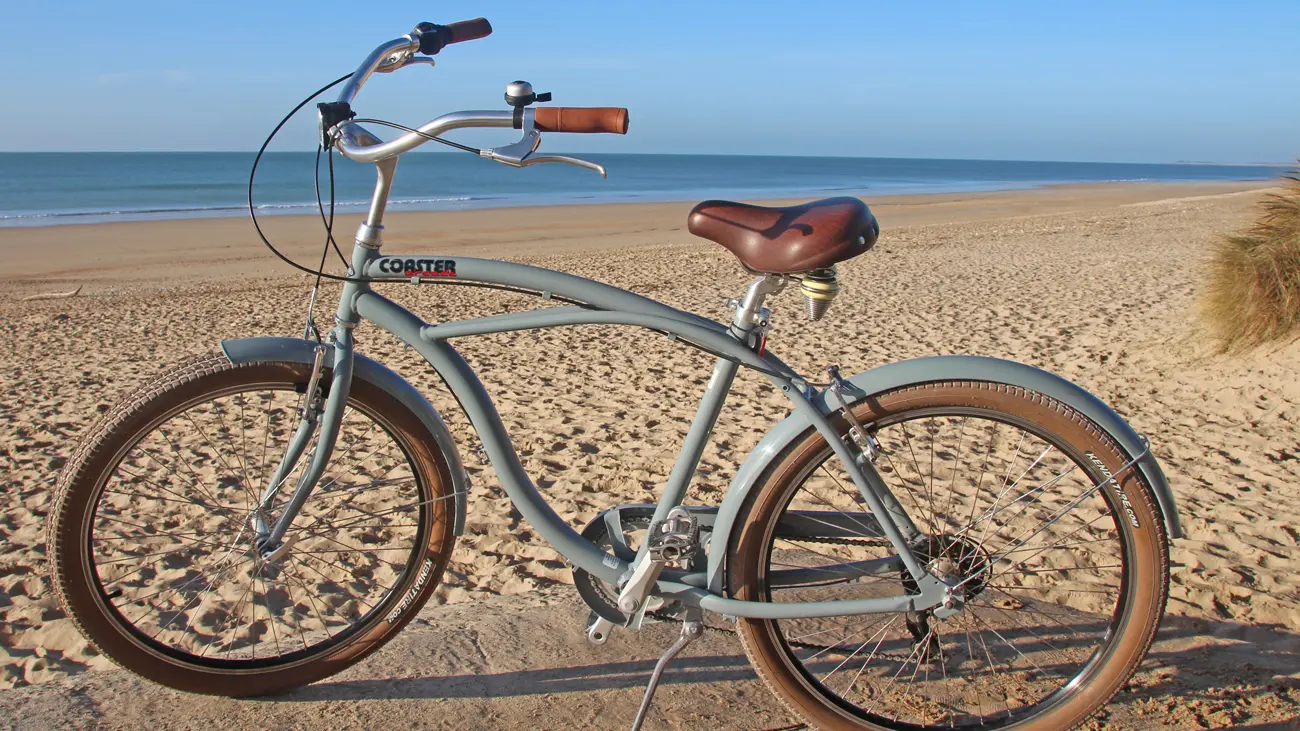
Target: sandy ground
(462, 667)
(1097, 283)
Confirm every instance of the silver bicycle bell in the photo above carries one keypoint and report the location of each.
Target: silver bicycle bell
(520, 93)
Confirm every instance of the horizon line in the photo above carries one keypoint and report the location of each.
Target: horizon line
(1225, 163)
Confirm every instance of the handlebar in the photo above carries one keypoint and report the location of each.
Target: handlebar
(589, 120)
(357, 143)
(434, 38)
(426, 38)
(469, 30)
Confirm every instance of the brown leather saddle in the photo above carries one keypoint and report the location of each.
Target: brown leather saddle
(789, 239)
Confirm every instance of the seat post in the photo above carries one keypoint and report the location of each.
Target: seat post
(749, 311)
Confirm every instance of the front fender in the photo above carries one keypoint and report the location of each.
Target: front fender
(928, 370)
(297, 350)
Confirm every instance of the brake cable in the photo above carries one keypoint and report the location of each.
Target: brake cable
(252, 176)
(328, 223)
(425, 135)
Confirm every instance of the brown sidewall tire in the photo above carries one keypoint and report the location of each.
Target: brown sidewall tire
(107, 441)
(1143, 593)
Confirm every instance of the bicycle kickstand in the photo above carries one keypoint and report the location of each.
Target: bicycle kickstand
(692, 628)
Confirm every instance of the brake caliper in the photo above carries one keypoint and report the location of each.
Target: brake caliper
(865, 442)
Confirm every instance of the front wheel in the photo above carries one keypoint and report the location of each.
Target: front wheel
(1063, 575)
(154, 555)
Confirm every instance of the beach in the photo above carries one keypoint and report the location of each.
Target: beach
(1095, 282)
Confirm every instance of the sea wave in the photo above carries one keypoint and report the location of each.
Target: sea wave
(218, 209)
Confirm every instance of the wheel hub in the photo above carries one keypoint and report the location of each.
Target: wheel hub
(958, 562)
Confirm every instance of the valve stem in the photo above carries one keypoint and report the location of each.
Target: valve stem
(819, 289)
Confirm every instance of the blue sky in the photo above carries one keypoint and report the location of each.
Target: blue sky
(1148, 81)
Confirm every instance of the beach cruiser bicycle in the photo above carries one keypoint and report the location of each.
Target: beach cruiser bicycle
(946, 542)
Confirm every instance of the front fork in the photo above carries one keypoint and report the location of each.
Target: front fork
(323, 413)
(270, 542)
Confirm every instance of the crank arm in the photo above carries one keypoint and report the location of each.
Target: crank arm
(634, 596)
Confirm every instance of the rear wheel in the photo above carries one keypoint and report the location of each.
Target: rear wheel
(152, 546)
(1063, 583)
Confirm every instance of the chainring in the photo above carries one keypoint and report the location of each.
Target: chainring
(600, 595)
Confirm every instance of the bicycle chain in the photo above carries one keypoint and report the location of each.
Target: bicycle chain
(667, 617)
(882, 542)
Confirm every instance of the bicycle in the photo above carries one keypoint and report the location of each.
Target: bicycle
(943, 542)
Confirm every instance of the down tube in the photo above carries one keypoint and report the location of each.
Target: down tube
(482, 413)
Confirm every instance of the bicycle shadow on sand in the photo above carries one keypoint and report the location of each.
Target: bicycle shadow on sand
(1209, 671)
(576, 679)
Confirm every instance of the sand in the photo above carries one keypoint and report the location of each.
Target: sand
(1097, 283)
(457, 667)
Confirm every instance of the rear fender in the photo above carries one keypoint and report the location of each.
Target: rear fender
(928, 370)
(297, 350)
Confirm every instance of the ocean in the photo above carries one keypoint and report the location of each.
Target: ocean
(41, 188)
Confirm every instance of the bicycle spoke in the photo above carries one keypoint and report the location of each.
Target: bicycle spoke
(197, 478)
(317, 494)
(916, 465)
(213, 447)
(133, 556)
(837, 642)
(176, 497)
(854, 654)
(1039, 550)
(827, 503)
(995, 534)
(243, 468)
(874, 650)
(952, 484)
(1008, 643)
(335, 524)
(270, 617)
(194, 581)
(838, 562)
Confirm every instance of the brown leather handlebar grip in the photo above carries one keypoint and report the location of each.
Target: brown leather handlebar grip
(587, 120)
(469, 30)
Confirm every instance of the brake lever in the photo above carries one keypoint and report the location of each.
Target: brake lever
(567, 160)
(515, 153)
(519, 154)
(401, 61)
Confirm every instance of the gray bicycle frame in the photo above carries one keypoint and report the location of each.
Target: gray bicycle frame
(609, 305)
(596, 303)
(735, 345)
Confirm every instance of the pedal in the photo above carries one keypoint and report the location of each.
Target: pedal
(676, 538)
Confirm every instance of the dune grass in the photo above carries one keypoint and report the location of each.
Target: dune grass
(1253, 289)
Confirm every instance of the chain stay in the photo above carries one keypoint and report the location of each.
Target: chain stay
(669, 617)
